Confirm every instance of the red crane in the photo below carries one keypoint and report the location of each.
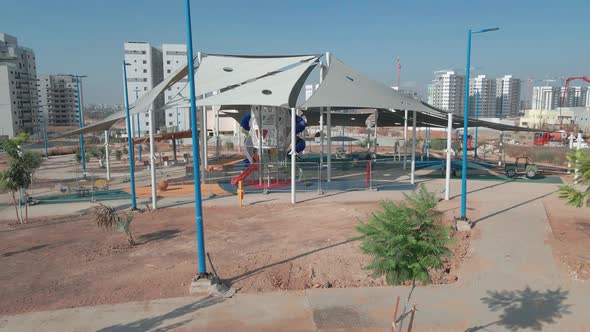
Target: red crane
(567, 85)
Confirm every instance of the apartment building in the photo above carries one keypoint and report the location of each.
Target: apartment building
(144, 72)
(507, 96)
(447, 91)
(482, 97)
(19, 105)
(58, 98)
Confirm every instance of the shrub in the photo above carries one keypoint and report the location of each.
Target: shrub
(438, 144)
(118, 154)
(106, 217)
(406, 239)
(573, 195)
(229, 145)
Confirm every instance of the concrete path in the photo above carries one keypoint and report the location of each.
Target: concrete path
(509, 282)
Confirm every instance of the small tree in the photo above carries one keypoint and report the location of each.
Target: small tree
(406, 240)
(19, 174)
(107, 218)
(118, 154)
(571, 194)
(229, 145)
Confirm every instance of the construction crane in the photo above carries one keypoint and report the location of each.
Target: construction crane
(567, 85)
(399, 71)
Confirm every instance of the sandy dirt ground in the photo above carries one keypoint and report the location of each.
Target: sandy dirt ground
(68, 262)
(571, 236)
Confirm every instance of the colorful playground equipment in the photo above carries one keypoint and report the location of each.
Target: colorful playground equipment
(268, 136)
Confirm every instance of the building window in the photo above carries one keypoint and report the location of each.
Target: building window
(145, 88)
(147, 124)
(170, 123)
(169, 114)
(168, 62)
(169, 71)
(145, 71)
(144, 62)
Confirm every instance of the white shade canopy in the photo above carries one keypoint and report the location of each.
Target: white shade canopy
(344, 87)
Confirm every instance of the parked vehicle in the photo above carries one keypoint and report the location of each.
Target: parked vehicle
(522, 166)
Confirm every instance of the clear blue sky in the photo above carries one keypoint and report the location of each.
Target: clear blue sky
(538, 39)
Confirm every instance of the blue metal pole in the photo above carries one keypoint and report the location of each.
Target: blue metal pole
(45, 134)
(195, 137)
(129, 140)
(476, 118)
(138, 125)
(81, 124)
(465, 131)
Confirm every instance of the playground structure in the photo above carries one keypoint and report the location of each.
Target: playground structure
(267, 140)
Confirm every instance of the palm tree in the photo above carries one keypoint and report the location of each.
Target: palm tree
(106, 217)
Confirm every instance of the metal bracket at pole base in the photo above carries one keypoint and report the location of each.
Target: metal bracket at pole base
(463, 225)
(210, 284)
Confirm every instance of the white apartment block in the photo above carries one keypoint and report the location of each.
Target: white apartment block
(576, 96)
(482, 97)
(19, 108)
(545, 97)
(507, 96)
(447, 91)
(310, 90)
(550, 97)
(58, 98)
(144, 72)
(174, 56)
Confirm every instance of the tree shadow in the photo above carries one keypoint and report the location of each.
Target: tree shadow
(584, 227)
(8, 254)
(156, 323)
(251, 273)
(525, 309)
(160, 235)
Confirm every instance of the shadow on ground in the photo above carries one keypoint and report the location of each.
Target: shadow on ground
(248, 274)
(157, 323)
(513, 207)
(525, 309)
(7, 254)
(160, 235)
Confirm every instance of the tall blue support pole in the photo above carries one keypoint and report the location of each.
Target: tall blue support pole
(81, 124)
(476, 118)
(465, 132)
(196, 172)
(129, 140)
(138, 125)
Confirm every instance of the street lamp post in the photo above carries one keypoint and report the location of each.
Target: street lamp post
(81, 124)
(202, 270)
(138, 124)
(476, 118)
(466, 123)
(129, 140)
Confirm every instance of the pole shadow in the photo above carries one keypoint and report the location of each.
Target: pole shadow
(512, 207)
(156, 323)
(525, 309)
(251, 273)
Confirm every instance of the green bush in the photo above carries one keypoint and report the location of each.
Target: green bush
(406, 239)
(438, 144)
(118, 154)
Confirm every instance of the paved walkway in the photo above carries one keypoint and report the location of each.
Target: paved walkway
(509, 281)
